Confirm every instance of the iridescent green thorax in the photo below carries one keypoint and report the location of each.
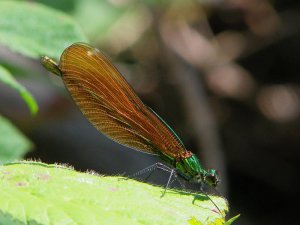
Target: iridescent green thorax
(190, 168)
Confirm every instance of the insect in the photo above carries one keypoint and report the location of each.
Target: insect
(111, 105)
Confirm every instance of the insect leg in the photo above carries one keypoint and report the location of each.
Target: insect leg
(169, 182)
(151, 169)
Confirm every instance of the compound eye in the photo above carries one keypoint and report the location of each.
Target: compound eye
(212, 178)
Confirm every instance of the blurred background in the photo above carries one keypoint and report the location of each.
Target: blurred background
(224, 74)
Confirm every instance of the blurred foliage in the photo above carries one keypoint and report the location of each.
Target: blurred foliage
(31, 30)
(102, 13)
(34, 30)
(13, 144)
(9, 80)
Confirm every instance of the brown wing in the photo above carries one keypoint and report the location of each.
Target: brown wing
(110, 103)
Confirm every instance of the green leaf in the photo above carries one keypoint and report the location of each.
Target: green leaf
(194, 221)
(38, 193)
(230, 221)
(13, 144)
(33, 29)
(9, 80)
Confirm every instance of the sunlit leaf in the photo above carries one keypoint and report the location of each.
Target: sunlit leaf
(36, 193)
(194, 221)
